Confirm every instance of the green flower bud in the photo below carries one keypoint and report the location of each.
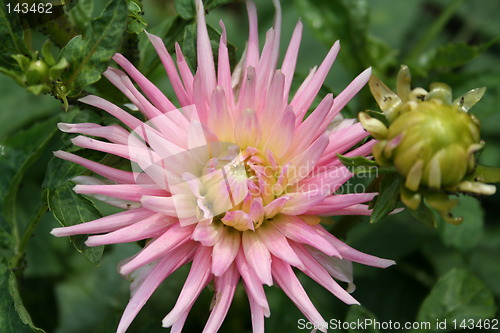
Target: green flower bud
(438, 135)
(37, 72)
(430, 140)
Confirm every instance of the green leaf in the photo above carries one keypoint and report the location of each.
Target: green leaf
(11, 39)
(424, 214)
(81, 14)
(47, 53)
(453, 55)
(356, 161)
(136, 22)
(186, 8)
(388, 197)
(211, 4)
(359, 164)
(442, 257)
(189, 45)
(486, 174)
(92, 298)
(378, 115)
(70, 208)
(18, 303)
(13, 315)
(358, 314)
(19, 152)
(347, 21)
(457, 295)
(484, 262)
(466, 235)
(89, 57)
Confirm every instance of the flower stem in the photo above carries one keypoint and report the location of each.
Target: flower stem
(21, 246)
(433, 31)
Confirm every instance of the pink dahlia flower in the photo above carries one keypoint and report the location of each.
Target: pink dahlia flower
(232, 178)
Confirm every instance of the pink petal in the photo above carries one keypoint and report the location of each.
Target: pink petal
(265, 69)
(275, 103)
(257, 212)
(351, 254)
(179, 323)
(303, 99)
(253, 286)
(199, 99)
(257, 314)
(205, 56)
(252, 54)
(341, 141)
(224, 68)
(257, 256)
(316, 271)
(159, 204)
(208, 233)
(113, 174)
(290, 60)
(113, 110)
(350, 91)
(120, 191)
(275, 206)
(247, 129)
(297, 230)
(225, 286)
(247, 97)
(277, 36)
(184, 71)
(302, 164)
(225, 251)
(113, 133)
(111, 148)
(289, 283)
(340, 201)
(170, 69)
(299, 203)
(161, 270)
(278, 245)
(117, 77)
(152, 92)
(169, 241)
(281, 136)
(238, 219)
(313, 126)
(353, 210)
(145, 106)
(104, 224)
(325, 182)
(147, 228)
(197, 279)
(340, 269)
(363, 150)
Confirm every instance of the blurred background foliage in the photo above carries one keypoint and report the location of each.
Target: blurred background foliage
(450, 272)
